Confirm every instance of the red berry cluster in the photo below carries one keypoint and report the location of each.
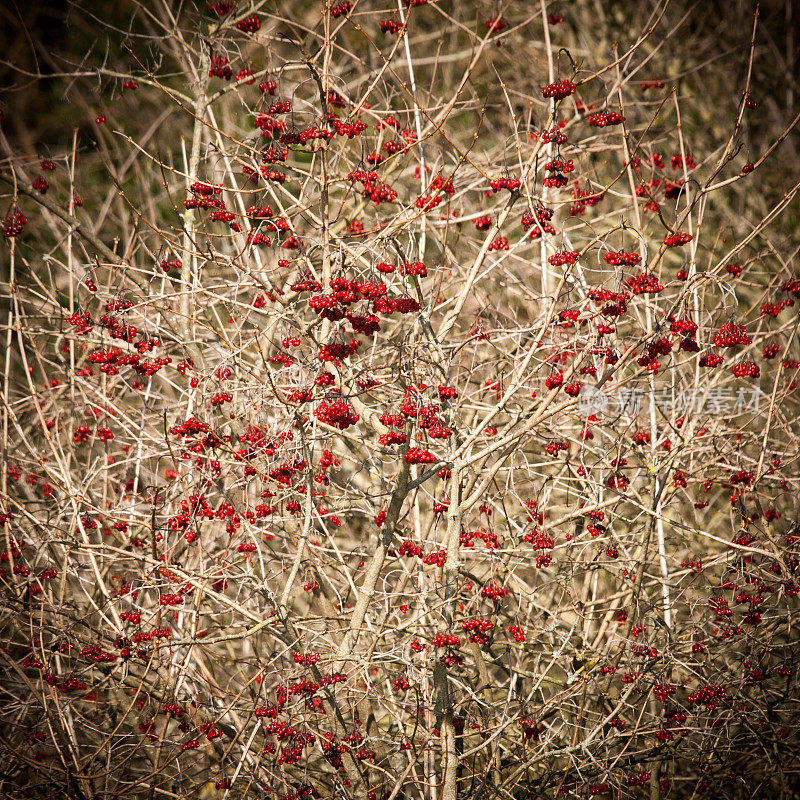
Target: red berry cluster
(13, 224)
(564, 257)
(446, 640)
(170, 600)
(491, 591)
(416, 455)
(584, 198)
(336, 351)
(403, 305)
(73, 685)
(254, 239)
(355, 227)
(345, 292)
(621, 258)
(273, 175)
(249, 24)
(539, 540)
(438, 558)
(747, 369)
(554, 380)
(205, 189)
(554, 448)
(557, 165)
(408, 548)
(220, 68)
(773, 309)
(393, 147)
(335, 99)
(174, 263)
(556, 179)
(439, 184)
(82, 323)
(308, 284)
(480, 624)
(273, 155)
(190, 427)
(379, 192)
(558, 91)
(391, 26)
(338, 414)
(685, 327)
(204, 202)
(269, 126)
(741, 476)
(221, 216)
(645, 284)
(663, 691)
(306, 135)
(618, 481)
(280, 107)
(415, 268)
(301, 658)
(517, 632)
(538, 221)
(500, 243)
(341, 9)
(348, 129)
(603, 119)
(467, 538)
(259, 212)
(554, 135)
(679, 162)
(731, 335)
(512, 184)
(710, 360)
(81, 434)
(707, 695)
(428, 203)
(361, 176)
(677, 239)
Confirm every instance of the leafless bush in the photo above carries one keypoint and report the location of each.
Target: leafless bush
(399, 402)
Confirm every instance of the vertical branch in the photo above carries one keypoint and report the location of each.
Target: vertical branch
(551, 77)
(189, 273)
(417, 127)
(452, 568)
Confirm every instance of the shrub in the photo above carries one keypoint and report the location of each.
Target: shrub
(386, 422)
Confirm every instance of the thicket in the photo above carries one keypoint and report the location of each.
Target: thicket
(399, 400)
